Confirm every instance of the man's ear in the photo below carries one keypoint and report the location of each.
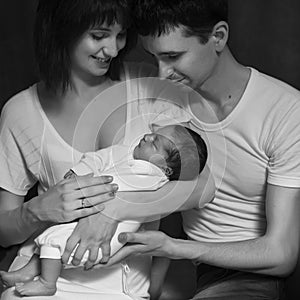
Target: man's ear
(167, 170)
(220, 35)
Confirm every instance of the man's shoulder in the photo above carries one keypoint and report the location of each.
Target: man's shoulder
(277, 85)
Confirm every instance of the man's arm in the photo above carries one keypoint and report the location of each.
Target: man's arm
(275, 253)
(173, 196)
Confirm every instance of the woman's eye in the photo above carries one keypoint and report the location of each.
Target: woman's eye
(97, 37)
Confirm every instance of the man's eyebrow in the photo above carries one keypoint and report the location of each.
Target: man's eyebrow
(165, 52)
(170, 53)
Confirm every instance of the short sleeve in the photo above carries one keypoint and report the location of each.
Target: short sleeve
(18, 155)
(284, 148)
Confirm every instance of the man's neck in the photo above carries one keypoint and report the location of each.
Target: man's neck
(224, 89)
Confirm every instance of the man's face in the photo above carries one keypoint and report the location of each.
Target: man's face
(182, 59)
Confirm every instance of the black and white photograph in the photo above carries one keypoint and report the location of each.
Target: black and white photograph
(149, 149)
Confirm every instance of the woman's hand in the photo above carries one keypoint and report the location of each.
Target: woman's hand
(73, 198)
(154, 243)
(90, 234)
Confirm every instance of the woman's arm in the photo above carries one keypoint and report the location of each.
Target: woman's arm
(173, 196)
(16, 224)
(140, 206)
(61, 203)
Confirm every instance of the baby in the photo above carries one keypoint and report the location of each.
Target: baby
(170, 153)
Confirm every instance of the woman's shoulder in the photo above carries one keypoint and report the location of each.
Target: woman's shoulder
(20, 103)
(21, 111)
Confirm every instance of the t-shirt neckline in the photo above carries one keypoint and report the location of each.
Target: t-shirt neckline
(225, 122)
(47, 121)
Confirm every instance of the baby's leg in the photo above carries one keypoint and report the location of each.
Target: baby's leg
(46, 284)
(26, 273)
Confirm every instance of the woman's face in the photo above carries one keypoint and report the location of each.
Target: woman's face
(92, 54)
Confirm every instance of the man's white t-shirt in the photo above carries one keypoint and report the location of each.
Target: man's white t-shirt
(258, 143)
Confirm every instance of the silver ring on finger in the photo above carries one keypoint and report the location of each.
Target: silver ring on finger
(83, 203)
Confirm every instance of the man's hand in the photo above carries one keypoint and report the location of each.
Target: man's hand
(90, 234)
(154, 243)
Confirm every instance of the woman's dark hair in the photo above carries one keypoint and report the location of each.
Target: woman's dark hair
(156, 17)
(60, 23)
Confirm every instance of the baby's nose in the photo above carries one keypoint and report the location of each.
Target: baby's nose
(149, 137)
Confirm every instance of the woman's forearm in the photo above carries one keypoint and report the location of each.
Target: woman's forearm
(17, 225)
(173, 196)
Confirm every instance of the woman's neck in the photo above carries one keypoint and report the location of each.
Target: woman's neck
(86, 90)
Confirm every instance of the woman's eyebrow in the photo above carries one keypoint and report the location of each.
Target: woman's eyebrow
(101, 29)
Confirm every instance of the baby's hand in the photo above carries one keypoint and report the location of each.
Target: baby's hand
(70, 174)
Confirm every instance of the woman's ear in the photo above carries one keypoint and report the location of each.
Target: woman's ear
(220, 35)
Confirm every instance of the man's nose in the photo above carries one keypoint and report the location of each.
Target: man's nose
(164, 70)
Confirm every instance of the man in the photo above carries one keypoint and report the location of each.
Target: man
(247, 239)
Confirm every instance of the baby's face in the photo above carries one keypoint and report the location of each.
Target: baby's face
(154, 147)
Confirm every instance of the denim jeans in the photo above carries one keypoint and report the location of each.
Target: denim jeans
(215, 283)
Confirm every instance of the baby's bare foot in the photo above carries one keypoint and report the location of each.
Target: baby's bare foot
(37, 287)
(11, 278)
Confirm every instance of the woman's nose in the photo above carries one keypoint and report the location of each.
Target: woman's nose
(111, 48)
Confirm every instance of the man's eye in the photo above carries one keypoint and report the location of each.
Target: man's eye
(172, 56)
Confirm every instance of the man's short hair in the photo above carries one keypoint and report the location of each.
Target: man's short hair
(198, 17)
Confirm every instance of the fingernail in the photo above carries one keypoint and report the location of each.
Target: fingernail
(115, 187)
(109, 178)
(111, 194)
(122, 237)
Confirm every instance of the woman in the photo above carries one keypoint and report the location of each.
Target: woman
(46, 128)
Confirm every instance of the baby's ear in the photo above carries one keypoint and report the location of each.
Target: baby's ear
(167, 170)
